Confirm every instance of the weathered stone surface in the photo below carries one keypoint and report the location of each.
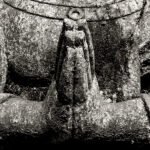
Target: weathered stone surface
(146, 100)
(31, 42)
(76, 61)
(145, 48)
(35, 41)
(87, 122)
(144, 24)
(23, 117)
(117, 60)
(93, 11)
(126, 121)
(3, 62)
(145, 66)
(145, 58)
(81, 3)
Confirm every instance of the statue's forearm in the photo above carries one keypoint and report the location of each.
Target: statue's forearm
(91, 48)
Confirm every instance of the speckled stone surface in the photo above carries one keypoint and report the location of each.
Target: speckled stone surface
(3, 61)
(91, 121)
(32, 30)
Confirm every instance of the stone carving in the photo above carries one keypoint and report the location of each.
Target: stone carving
(36, 31)
(76, 62)
(73, 107)
(97, 10)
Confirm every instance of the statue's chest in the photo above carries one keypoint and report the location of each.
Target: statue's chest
(33, 28)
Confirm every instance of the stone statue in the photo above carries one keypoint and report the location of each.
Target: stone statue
(35, 32)
(73, 108)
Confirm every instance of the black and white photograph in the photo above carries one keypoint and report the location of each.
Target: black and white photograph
(74, 72)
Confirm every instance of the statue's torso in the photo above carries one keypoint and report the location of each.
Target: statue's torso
(32, 30)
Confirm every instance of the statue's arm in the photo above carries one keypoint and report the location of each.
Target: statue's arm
(90, 47)
(59, 55)
(3, 62)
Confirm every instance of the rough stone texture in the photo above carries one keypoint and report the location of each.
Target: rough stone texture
(145, 66)
(145, 58)
(3, 62)
(35, 30)
(33, 119)
(144, 25)
(23, 117)
(145, 48)
(31, 43)
(34, 41)
(93, 12)
(75, 69)
(88, 122)
(117, 61)
(103, 122)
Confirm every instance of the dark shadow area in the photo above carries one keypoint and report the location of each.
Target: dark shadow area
(26, 81)
(22, 142)
(31, 88)
(145, 83)
(110, 53)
